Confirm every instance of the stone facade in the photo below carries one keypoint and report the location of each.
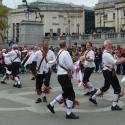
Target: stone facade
(35, 33)
(110, 15)
(58, 18)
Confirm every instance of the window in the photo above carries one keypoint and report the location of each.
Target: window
(124, 12)
(57, 24)
(54, 17)
(58, 31)
(17, 32)
(105, 16)
(61, 16)
(13, 27)
(113, 16)
(51, 32)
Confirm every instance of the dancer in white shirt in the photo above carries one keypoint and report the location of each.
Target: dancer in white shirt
(110, 77)
(64, 68)
(89, 65)
(42, 69)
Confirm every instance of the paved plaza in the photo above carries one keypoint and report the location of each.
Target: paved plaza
(17, 106)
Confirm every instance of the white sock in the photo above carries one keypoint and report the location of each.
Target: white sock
(90, 87)
(57, 99)
(4, 78)
(69, 106)
(39, 96)
(8, 72)
(43, 95)
(96, 94)
(115, 100)
(17, 80)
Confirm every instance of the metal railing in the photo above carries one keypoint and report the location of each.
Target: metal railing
(90, 36)
(96, 38)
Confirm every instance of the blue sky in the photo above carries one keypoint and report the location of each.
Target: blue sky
(14, 3)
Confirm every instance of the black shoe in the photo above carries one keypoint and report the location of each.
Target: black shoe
(88, 94)
(116, 108)
(93, 101)
(3, 82)
(93, 92)
(44, 99)
(33, 78)
(15, 85)
(19, 86)
(51, 108)
(72, 116)
(39, 100)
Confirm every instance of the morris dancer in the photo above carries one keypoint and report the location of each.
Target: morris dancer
(64, 67)
(89, 65)
(43, 70)
(7, 65)
(110, 76)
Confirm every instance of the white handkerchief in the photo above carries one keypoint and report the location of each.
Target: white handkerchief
(123, 79)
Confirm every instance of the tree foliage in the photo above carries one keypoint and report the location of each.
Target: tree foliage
(3, 21)
(3, 10)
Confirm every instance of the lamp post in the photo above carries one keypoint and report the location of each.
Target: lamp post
(78, 25)
(69, 26)
(100, 19)
(69, 33)
(104, 17)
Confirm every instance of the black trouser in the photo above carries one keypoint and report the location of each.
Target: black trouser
(123, 71)
(66, 84)
(9, 67)
(40, 79)
(118, 68)
(87, 74)
(47, 79)
(15, 68)
(111, 79)
(2, 69)
(97, 65)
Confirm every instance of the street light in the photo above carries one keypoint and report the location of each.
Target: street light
(69, 25)
(78, 25)
(69, 33)
(104, 17)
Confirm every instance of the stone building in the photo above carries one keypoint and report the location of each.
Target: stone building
(58, 18)
(110, 16)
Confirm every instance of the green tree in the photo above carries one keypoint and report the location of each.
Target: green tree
(3, 22)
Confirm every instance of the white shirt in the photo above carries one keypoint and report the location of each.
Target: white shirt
(30, 59)
(7, 60)
(91, 55)
(66, 61)
(108, 60)
(44, 67)
(13, 56)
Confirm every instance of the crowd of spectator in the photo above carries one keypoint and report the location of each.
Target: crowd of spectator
(75, 51)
